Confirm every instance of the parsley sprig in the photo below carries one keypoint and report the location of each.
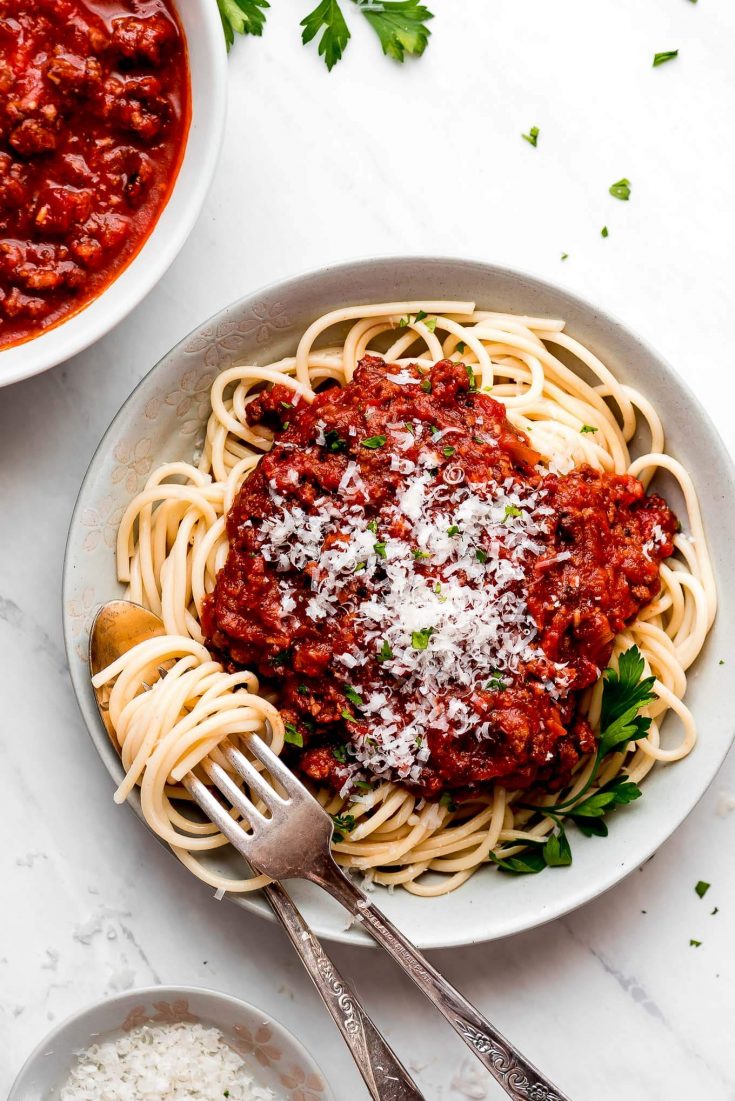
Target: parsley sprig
(399, 24)
(624, 693)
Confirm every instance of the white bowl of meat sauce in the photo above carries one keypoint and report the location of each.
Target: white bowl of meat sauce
(111, 117)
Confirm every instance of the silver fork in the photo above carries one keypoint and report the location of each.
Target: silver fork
(294, 843)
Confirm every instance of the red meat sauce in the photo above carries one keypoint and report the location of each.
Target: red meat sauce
(599, 566)
(94, 113)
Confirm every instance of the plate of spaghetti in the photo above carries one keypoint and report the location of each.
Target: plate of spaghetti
(448, 538)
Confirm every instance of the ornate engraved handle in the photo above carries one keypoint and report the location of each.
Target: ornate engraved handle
(516, 1075)
(385, 1077)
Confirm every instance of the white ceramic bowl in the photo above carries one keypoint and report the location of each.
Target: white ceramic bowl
(208, 67)
(273, 1056)
(162, 420)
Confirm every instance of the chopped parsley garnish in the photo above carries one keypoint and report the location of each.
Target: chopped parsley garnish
(303, 690)
(403, 322)
(702, 888)
(286, 405)
(532, 136)
(431, 324)
(372, 525)
(604, 232)
(348, 716)
(454, 530)
(426, 385)
(715, 911)
(621, 190)
(587, 428)
(343, 823)
(460, 347)
(434, 430)
(292, 735)
(695, 943)
(420, 639)
(354, 696)
(372, 442)
(447, 801)
(363, 785)
(418, 553)
(665, 55)
(281, 658)
(496, 683)
(379, 549)
(449, 451)
(410, 428)
(385, 653)
(481, 555)
(360, 566)
(511, 511)
(333, 441)
(421, 315)
(470, 377)
(339, 752)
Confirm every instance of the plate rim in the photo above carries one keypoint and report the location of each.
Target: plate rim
(254, 903)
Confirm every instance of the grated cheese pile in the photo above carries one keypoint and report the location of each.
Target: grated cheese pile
(180, 1062)
(445, 568)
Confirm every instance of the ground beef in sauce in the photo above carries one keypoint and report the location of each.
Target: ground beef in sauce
(570, 561)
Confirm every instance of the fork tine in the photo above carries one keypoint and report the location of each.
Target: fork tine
(233, 794)
(218, 814)
(278, 770)
(249, 773)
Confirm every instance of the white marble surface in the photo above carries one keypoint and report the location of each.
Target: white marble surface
(374, 159)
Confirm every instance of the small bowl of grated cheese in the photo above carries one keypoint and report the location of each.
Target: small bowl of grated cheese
(170, 1044)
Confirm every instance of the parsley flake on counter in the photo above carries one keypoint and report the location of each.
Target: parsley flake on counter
(565, 256)
(621, 190)
(604, 232)
(702, 888)
(532, 136)
(372, 442)
(715, 911)
(695, 943)
(666, 55)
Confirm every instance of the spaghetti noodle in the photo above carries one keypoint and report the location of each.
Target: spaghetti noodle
(173, 544)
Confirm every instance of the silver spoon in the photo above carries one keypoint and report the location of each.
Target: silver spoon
(117, 627)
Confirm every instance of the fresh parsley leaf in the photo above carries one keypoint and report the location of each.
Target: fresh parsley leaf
(354, 696)
(449, 451)
(426, 385)
(333, 441)
(481, 555)
(702, 888)
(625, 692)
(242, 17)
(343, 823)
(420, 639)
(557, 852)
(360, 566)
(379, 549)
(328, 19)
(528, 863)
(587, 428)
(496, 683)
(621, 190)
(418, 553)
(348, 716)
(532, 136)
(339, 752)
(399, 24)
(510, 511)
(421, 315)
(618, 793)
(373, 442)
(470, 377)
(666, 55)
(604, 232)
(385, 653)
(292, 735)
(372, 525)
(454, 530)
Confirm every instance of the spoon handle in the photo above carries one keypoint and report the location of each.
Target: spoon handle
(385, 1077)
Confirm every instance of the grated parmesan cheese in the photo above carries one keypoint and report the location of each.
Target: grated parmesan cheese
(179, 1062)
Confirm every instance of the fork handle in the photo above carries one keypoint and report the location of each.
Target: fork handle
(516, 1075)
(385, 1077)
